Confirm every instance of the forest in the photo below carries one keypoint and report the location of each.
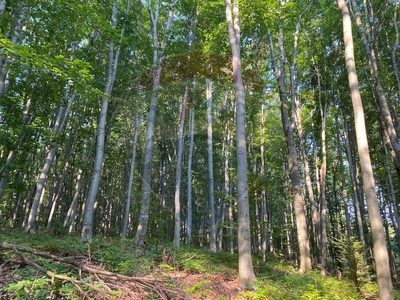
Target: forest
(254, 131)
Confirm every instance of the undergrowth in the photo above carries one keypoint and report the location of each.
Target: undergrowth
(276, 278)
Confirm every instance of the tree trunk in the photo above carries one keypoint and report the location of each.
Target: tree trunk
(264, 201)
(190, 160)
(31, 225)
(246, 272)
(384, 109)
(112, 65)
(344, 185)
(322, 196)
(378, 233)
(158, 53)
(213, 229)
(138, 121)
(178, 172)
(288, 128)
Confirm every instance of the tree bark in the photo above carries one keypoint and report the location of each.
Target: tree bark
(384, 108)
(288, 128)
(190, 161)
(138, 121)
(178, 171)
(246, 272)
(344, 185)
(378, 233)
(213, 229)
(158, 53)
(31, 225)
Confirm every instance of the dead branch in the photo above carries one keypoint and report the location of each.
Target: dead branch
(82, 265)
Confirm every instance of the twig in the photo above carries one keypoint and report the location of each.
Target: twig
(150, 283)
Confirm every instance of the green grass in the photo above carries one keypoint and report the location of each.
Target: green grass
(277, 279)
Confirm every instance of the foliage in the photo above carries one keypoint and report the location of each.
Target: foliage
(353, 256)
(276, 278)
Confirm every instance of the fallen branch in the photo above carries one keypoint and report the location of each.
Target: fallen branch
(151, 283)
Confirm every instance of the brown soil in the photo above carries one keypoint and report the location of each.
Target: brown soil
(170, 284)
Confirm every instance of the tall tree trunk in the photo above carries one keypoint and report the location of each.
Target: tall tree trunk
(264, 201)
(307, 174)
(344, 185)
(246, 271)
(21, 20)
(70, 218)
(378, 233)
(213, 228)
(357, 209)
(158, 53)
(178, 171)
(322, 196)
(395, 48)
(288, 128)
(112, 65)
(138, 121)
(87, 227)
(190, 161)
(384, 108)
(31, 225)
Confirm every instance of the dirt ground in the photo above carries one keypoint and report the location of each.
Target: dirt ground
(170, 284)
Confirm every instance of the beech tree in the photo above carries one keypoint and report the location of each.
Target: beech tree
(246, 272)
(159, 46)
(378, 234)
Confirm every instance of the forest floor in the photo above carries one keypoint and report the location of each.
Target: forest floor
(44, 266)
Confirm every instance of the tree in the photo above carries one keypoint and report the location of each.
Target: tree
(288, 129)
(378, 233)
(158, 56)
(112, 65)
(246, 272)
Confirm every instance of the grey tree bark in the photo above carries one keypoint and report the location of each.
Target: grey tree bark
(138, 122)
(322, 196)
(372, 63)
(178, 171)
(213, 228)
(288, 128)
(31, 225)
(112, 65)
(357, 209)
(246, 271)
(190, 161)
(158, 53)
(378, 234)
(344, 184)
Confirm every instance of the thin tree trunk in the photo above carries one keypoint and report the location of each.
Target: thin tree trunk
(31, 225)
(213, 229)
(322, 196)
(138, 121)
(72, 211)
(357, 209)
(112, 65)
(178, 172)
(190, 160)
(385, 112)
(21, 24)
(264, 201)
(344, 185)
(158, 53)
(288, 128)
(246, 272)
(395, 49)
(378, 233)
